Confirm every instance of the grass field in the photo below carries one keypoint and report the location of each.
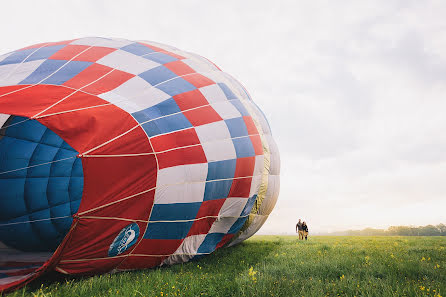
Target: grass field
(281, 266)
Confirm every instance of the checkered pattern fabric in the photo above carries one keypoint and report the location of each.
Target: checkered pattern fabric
(211, 142)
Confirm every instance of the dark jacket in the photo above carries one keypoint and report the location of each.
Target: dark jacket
(299, 226)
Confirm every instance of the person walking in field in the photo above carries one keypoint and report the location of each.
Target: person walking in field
(300, 230)
(305, 230)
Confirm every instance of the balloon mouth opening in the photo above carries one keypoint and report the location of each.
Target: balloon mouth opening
(41, 185)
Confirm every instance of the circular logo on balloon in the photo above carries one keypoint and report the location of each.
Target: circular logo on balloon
(125, 239)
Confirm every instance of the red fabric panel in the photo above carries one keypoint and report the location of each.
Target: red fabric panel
(175, 139)
(210, 208)
(257, 144)
(108, 179)
(87, 76)
(92, 238)
(94, 53)
(179, 68)
(201, 226)
(201, 116)
(224, 240)
(190, 100)
(141, 262)
(240, 188)
(9, 89)
(68, 52)
(188, 155)
(244, 166)
(133, 142)
(88, 128)
(250, 125)
(207, 208)
(198, 80)
(157, 246)
(30, 101)
(75, 101)
(90, 267)
(136, 208)
(109, 82)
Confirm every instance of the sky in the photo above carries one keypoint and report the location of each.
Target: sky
(355, 91)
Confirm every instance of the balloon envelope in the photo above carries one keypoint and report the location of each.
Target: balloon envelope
(119, 154)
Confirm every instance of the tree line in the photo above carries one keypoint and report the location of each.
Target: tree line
(429, 230)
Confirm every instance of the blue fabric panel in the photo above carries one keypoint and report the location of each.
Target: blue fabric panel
(51, 139)
(237, 127)
(157, 75)
(237, 225)
(42, 198)
(43, 71)
(217, 189)
(174, 211)
(221, 169)
(176, 86)
(167, 124)
(243, 147)
(137, 49)
(173, 230)
(27, 129)
(249, 205)
(210, 242)
(229, 94)
(240, 107)
(166, 107)
(67, 72)
(45, 52)
(17, 57)
(161, 58)
(12, 202)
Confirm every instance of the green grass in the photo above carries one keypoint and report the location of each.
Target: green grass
(281, 266)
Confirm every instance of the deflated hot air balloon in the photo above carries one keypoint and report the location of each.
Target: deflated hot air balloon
(118, 155)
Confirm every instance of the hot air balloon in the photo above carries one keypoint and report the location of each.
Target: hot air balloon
(119, 155)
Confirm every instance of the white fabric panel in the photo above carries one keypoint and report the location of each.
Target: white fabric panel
(213, 93)
(119, 101)
(97, 41)
(255, 185)
(182, 174)
(271, 195)
(3, 118)
(274, 156)
(198, 63)
(127, 62)
(219, 150)
(233, 207)
(262, 121)
(182, 193)
(134, 87)
(160, 45)
(222, 225)
(213, 131)
(150, 97)
(259, 165)
(4, 56)
(186, 250)
(12, 74)
(226, 110)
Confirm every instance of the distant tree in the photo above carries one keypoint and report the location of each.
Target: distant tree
(429, 230)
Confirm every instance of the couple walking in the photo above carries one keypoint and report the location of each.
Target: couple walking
(302, 229)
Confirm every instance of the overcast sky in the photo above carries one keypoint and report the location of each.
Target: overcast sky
(355, 91)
